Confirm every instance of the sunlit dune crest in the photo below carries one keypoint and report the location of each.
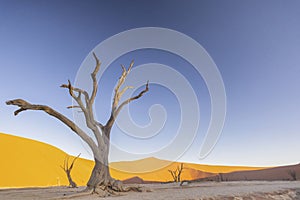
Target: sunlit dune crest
(27, 163)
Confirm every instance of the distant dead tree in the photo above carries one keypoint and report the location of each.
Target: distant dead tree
(221, 178)
(293, 174)
(179, 169)
(68, 170)
(173, 174)
(100, 181)
(176, 174)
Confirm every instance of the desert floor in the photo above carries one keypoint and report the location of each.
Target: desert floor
(209, 190)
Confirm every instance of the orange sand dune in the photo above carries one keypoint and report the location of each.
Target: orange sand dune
(190, 172)
(26, 162)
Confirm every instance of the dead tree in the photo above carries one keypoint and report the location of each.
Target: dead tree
(68, 170)
(293, 174)
(173, 174)
(176, 174)
(179, 169)
(221, 178)
(100, 180)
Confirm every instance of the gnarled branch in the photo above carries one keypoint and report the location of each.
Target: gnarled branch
(118, 93)
(68, 170)
(131, 99)
(94, 78)
(24, 105)
(74, 89)
(74, 106)
(174, 175)
(77, 98)
(116, 108)
(87, 108)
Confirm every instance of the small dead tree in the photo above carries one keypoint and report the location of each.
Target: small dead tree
(179, 169)
(293, 174)
(173, 174)
(221, 179)
(67, 169)
(100, 181)
(176, 174)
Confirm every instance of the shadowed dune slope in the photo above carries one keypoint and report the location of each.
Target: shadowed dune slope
(270, 174)
(27, 163)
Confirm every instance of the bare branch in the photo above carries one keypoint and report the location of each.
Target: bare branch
(72, 164)
(117, 96)
(86, 109)
(100, 125)
(68, 170)
(124, 90)
(121, 81)
(69, 107)
(130, 66)
(115, 113)
(174, 176)
(131, 99)
(24, 105)
(71, 92)
(94, 78)
(124, 69)
(78, 97)
(74, 89)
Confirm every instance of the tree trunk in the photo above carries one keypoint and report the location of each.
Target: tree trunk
(71, 182)
(100, 175)
(100, 180)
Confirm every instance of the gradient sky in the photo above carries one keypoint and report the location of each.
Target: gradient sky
(255, 44)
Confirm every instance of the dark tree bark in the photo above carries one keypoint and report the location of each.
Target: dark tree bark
(176, 174)
(173, 174)
(293, 174)
(100, 180)
(179, 169)
(221, 178)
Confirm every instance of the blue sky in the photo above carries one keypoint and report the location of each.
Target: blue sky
(255, 45)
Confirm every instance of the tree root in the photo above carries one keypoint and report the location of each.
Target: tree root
(111, 188)
(115, 187)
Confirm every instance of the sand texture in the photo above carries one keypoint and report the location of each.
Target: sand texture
(207, 190)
